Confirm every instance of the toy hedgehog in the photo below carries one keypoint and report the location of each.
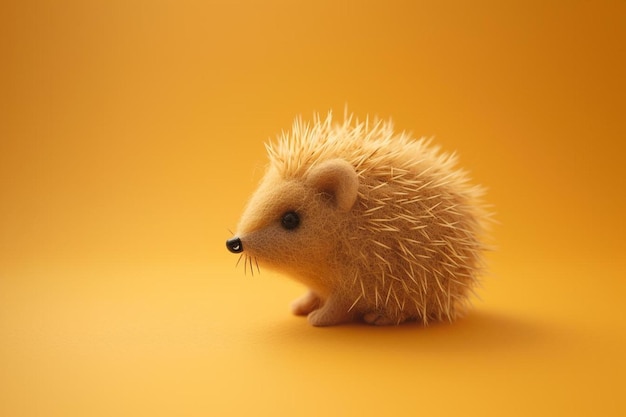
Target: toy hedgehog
(378, 226)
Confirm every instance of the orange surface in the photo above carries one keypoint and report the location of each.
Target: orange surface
(132, 132)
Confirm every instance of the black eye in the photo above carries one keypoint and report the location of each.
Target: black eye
(290, 220)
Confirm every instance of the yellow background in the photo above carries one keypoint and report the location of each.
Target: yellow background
(132, 132)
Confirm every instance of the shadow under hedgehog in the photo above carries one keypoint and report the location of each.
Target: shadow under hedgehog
(378, 226)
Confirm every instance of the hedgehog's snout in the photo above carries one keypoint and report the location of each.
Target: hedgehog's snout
(234, 245)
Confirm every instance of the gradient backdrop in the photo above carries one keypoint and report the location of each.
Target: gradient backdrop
(132, 132)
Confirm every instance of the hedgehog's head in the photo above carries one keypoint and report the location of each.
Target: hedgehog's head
(294, 224)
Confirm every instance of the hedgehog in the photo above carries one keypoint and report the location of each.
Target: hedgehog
(380, 227)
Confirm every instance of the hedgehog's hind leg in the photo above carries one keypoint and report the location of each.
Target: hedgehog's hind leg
(378, 318)
(306, 304)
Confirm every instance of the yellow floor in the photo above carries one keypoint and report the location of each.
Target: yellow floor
(210, 341)
(131, 135)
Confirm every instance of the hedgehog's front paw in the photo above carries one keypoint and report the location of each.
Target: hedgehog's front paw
(377, 318)
(306, 304)
(322, 317)
(332, 312)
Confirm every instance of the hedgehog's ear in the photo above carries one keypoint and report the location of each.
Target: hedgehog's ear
(338, 179)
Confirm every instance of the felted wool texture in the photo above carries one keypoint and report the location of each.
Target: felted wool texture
(390, 228)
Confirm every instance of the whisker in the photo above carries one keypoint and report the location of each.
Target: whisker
(256, 261)
(251, 269)
(238, 260)
(230, 231)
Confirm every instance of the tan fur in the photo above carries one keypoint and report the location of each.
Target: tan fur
(390, 230)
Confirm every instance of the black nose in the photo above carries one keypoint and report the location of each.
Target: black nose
(234, 245)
